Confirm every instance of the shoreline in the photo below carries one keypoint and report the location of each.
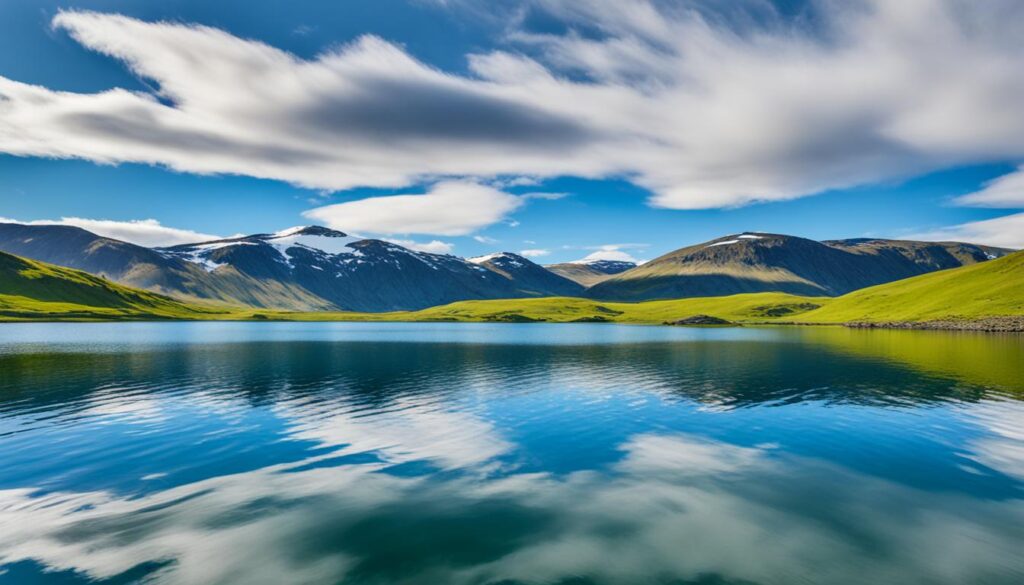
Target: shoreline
(1005, 324)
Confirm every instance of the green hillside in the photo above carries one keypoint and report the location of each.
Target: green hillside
(989, 289)
(750, 307)
(31, 290)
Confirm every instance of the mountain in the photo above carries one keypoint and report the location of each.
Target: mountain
(36, 290)
(761, 262)
(151, 269)
(590, 272)
(530, 279)
(350, 273)
(302, 269)
(983, 290)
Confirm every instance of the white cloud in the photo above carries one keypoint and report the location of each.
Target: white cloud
(485, 240)
(1005, 191)
(616, 255)
(144, 232)
(450, 208)
(433, 246)
(1006, 232)
(614, 252)
(534, 253)
(705, 110)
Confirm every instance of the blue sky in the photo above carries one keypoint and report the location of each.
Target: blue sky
(549, 126)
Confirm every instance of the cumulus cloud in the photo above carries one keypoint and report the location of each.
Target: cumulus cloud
(1006, 232)
(144, 232)
(704, 110)
(534, 253)
(449, 208)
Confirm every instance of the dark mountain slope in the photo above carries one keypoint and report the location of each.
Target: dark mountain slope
(756, 262)
(528, 278)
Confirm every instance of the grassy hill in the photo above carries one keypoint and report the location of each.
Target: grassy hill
(31, 290)
(989, 289)
(751, 307)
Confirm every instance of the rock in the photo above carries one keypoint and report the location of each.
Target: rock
(700, 320)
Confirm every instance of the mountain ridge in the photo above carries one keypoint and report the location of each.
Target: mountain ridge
(314, 268)
(763, 262)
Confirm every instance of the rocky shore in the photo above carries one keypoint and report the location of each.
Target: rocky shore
(993, 324)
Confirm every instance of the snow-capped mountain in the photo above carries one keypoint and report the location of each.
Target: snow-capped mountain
(360, 274)
(307, 268)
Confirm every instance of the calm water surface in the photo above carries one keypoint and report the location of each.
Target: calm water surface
(323, 453)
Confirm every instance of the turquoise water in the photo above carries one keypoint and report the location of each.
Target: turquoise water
(322, 453)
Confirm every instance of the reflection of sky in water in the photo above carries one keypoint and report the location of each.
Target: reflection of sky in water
(712, 458)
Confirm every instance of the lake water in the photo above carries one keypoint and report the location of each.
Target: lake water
(323, 453)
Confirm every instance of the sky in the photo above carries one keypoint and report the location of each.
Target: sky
(560, 129)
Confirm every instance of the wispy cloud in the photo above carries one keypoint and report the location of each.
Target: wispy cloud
(534, 253)
(704, 110)
(1006, 232)
(144, 232)
(1005, 191)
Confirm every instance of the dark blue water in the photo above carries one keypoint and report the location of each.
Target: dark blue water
(323, 453)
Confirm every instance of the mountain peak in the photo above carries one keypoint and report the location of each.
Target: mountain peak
(308, 230)
(499, 256)
(748, 237)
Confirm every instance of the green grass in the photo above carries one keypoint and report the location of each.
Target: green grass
(990, 289)
(747, 307)
(32, 290)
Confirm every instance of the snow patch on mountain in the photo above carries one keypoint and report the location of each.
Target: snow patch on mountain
(725, 243)
(482, 259)
(735, 240)
(502, 258)
(313, 238)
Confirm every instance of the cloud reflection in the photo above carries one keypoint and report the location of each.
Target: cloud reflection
(675, 507)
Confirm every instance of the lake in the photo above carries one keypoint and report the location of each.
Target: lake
(372, 453)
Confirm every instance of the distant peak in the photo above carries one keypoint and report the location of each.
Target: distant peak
(603, 262)
(309, 230)
(494, 256)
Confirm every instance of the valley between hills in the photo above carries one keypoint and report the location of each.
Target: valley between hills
(317, 274)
